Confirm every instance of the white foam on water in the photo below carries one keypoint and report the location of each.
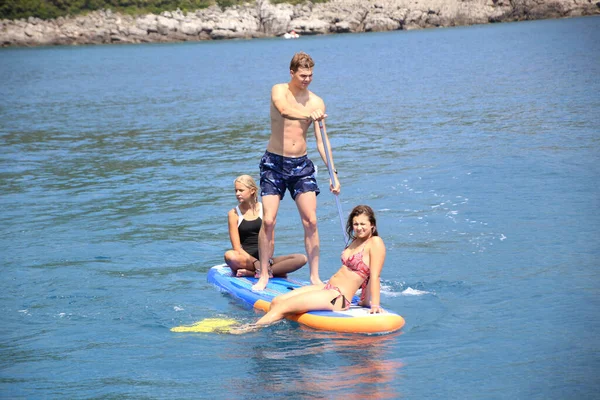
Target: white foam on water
(413, 292)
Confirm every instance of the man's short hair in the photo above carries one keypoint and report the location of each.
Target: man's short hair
(301, 60)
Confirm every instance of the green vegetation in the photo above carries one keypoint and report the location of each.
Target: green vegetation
(49, 9)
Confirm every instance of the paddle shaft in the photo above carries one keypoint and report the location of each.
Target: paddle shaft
(321, 128)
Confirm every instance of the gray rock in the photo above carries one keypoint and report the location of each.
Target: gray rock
(147, 23)
(380, 23)
(274, 20)
(218, 34)
(192, 28)
(261, 18)
(310, 26)
(135, 31)
(343, 27)
(166, 25)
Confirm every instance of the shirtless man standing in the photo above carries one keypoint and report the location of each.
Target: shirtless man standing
(285, 164)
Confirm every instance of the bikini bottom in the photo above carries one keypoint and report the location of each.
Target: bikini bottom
(345, 302)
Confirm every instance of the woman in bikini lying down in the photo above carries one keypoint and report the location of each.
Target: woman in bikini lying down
(362, 261)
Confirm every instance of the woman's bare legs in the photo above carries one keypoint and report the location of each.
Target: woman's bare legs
(239, 262)
(306, 298)
(303, 299)
(283, 265)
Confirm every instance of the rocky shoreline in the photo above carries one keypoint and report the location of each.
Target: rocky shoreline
(260, 18)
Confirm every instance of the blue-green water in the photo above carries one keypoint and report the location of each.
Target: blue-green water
(479, 148)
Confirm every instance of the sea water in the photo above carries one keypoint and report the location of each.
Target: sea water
(478, 148)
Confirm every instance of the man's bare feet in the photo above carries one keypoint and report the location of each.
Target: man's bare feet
(262, 280)
(315, 281)
(261, 284)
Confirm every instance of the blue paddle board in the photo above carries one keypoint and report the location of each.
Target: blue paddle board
(356, 320)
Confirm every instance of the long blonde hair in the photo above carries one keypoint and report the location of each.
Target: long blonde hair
(249, 182)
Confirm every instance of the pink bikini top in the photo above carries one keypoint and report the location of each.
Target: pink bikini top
(355, 263)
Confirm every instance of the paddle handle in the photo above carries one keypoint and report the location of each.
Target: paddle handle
(321, 128)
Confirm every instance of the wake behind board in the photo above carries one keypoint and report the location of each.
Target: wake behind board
(355, 320)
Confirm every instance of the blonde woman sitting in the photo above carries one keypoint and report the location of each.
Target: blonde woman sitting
(245, 221)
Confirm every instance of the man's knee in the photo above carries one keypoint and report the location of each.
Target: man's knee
(268, 223)
(309, 222)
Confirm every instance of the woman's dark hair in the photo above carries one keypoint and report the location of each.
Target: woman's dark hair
(361, 210)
